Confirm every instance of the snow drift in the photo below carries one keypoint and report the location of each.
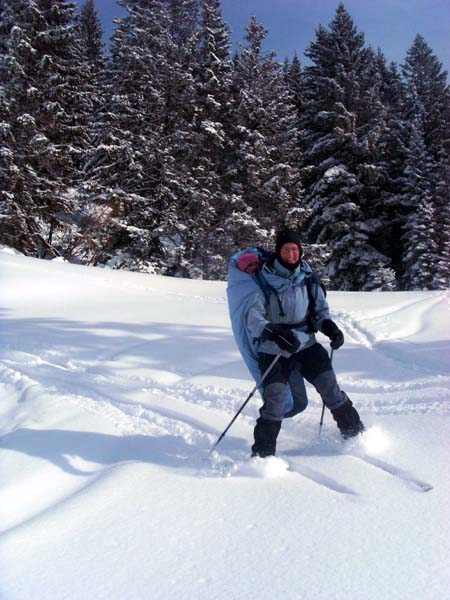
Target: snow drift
(114, 387)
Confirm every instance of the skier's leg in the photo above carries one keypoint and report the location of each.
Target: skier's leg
(272, 411)
(298, 392)
(315, 365)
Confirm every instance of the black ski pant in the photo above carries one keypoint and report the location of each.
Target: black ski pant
(315, 366)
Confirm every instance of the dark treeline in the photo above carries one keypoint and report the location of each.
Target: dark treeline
(169, 153)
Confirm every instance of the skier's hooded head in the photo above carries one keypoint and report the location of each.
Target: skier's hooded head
(288, 248)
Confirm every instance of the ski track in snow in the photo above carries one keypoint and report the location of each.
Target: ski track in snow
(136, 404)
(401, 474)
(163, 419)
(108, 417)
(71, 377)
(402, 397)
(364, 337)
(171, 415)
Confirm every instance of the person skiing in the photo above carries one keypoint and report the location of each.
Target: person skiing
(286, 321)
(245, 285)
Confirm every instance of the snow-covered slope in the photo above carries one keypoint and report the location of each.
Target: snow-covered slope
(114, 387)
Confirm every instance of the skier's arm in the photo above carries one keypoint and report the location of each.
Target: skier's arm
(260, 327)
(323, 320)
(322, 310)
(256, 319)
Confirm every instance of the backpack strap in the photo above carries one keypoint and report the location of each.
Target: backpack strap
(310, 281)
(267, 290)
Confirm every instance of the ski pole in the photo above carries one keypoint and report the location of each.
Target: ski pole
(323, 403)
(263, 377)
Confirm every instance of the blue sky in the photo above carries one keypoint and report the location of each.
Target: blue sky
(389, 24)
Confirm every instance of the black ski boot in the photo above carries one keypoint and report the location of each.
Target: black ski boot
(266, 433)
(347, 419)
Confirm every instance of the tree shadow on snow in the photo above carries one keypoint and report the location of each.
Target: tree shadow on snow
(65, 448)
(186, 350)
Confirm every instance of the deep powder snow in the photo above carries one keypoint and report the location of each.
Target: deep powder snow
(115, 386)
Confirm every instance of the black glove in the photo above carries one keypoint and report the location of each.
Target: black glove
(283, 337)
(331, 330)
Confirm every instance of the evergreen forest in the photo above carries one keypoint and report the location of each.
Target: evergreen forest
(169, 151)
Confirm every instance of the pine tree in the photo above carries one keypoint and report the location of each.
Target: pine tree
(393, 146)
(419, 247)
(139, 170)
(85, 235)
(206, 201)
(386, 152)
(332, 94)
(428, 105)
(337, 216)
(426, 80)
(441, 204)
(419, 257)
(343, 122)
(91, 32)
(267, 190)
(43, 108)
(183, 24)
(294, 80)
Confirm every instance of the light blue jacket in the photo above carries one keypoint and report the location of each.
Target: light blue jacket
(245, 295)
(288, 303)
(243, 292)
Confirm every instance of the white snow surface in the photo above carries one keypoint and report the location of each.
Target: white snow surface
(114, 387)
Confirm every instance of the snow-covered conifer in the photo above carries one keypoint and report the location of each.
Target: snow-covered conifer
(265, 139)
(343, 122)
(441, 202)
(91, 32)
(426, 181)
(139, 166)
(385, 156)
(43, 107)
(419, 245)
(206, 200)
(426, 80)
(293, 75)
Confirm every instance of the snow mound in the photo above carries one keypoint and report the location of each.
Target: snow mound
(8, 250)
(271, 467)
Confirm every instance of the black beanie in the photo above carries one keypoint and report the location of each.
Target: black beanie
(287, 236)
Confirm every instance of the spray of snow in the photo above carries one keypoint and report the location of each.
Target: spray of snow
(271, 467)
(375, 441)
